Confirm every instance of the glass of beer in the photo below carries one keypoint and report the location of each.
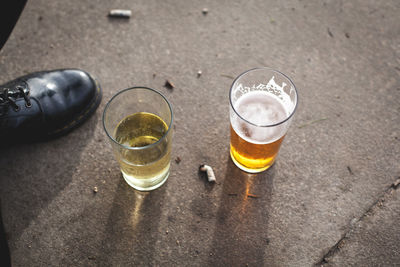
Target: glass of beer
(138, 123)
(262, 104)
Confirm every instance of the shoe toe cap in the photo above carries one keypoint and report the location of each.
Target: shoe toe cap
(66, 97)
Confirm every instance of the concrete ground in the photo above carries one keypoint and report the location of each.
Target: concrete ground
(331, 199)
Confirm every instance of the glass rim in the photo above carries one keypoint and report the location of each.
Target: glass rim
(141, 147)
(269, 69)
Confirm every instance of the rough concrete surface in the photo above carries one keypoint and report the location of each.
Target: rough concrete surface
(339, 158)
(379, 229)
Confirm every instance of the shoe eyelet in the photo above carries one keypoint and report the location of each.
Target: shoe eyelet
(28, 105)
(16, 109)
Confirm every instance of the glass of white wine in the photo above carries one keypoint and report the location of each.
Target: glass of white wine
(138, 122)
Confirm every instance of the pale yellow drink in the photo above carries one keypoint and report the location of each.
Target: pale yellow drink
(141, 130)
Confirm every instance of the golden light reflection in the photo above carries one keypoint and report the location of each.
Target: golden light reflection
(137, 207)
(248, 181)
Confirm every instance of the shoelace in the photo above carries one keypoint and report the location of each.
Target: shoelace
(10, 97)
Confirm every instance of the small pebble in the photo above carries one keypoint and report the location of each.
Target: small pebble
(169, 85)
(95, 190)
(199, 73)
(205, 11)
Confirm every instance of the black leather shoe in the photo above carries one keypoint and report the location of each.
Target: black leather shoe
(46, 104)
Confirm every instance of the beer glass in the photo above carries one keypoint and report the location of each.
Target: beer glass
(138, 123)
(262, 104)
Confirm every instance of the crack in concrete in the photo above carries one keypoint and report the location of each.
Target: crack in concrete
(378, 203)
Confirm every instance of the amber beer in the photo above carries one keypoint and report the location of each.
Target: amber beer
(255, 135)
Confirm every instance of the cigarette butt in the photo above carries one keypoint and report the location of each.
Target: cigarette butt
(120, 13)
(209, 171)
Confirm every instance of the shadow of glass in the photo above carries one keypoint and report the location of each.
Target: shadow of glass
(118, 20)
(132, 226)
(241, 233)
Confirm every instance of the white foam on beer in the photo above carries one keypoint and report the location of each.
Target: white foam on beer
(260, 108)
(271, 87)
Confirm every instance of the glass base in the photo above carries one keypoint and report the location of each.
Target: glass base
(244, 168)
(146, 184)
